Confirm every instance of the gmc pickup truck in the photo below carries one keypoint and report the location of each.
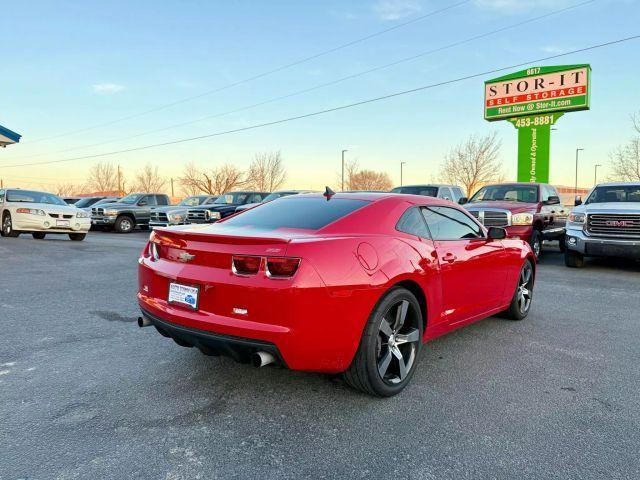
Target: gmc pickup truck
(529, 211)
(606, 225)
(223, 206)
(129, 212)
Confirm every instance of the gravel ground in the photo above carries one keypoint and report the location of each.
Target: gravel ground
(84, 393)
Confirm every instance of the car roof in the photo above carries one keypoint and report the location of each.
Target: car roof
(618, 184)
(373, 197)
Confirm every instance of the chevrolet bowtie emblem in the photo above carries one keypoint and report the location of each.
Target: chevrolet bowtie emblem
(186, 257)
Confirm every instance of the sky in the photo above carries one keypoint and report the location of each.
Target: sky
(79, 78)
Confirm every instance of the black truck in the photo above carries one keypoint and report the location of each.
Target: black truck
(129, 212)
(224, 206)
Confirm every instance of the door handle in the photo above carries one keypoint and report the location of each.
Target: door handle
(449, 257)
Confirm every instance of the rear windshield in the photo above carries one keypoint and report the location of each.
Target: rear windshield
(424, 191)
(299, 213)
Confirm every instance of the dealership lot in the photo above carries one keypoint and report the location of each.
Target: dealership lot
(86, 394)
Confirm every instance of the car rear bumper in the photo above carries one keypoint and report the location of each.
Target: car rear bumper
(209, 343)
(577, 241)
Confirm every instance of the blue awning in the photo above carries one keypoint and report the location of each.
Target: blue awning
(7, 137)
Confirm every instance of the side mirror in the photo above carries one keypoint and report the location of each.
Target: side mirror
(142, 203)
(553, 200)
(578, 200)
(463, 200)
(497, 233)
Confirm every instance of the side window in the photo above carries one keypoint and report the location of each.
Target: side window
(150, 199)
(161, 200)
(446, 223)
(255, 198)
(1, 196)
(546, 191)
(445, 193)
(457, 193)
(411, 222)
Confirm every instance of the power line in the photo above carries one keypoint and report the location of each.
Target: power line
(261, 75)
(319, 86)
(334, 109)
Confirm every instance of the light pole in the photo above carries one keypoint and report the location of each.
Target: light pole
(401, 165)
(595, 174)
(575, 190)
(343, 151)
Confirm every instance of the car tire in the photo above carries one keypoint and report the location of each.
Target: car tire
(573, 259)
(124, 224)
(523, 296)
(77, 237)
(39, 235)
(562, 243)
(7, 227)
(381, 368)
(536, 243)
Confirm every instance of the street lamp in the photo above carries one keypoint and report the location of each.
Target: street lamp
(578, 150)
(401, 165)
(595, 174)
(343, 151)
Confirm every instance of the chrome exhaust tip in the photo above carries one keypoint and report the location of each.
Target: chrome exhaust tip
(260, 359)
(144, 322)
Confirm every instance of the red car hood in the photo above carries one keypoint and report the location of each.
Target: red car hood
(513, 207)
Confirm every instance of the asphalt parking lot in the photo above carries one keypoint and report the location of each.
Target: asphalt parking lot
(84, 393)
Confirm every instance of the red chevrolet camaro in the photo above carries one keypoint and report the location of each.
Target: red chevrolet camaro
(351, 283)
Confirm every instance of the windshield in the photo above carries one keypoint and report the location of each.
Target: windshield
(130, 199)
(232, 198)
(193, 201)
(626, 193)
(85, 202)
(506, 193)
(424, 191)
(296, 212)
(34, 197)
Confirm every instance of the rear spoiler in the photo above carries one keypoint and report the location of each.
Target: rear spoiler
(175, 236)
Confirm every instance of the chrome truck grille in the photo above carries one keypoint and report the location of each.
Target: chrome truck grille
(196, 216)
(492, 218)
(613, 225)
(159, 217)
(99, 212)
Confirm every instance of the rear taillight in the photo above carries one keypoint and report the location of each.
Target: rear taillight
(281, 267)
(245, 264)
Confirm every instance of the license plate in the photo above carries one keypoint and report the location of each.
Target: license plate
(185, 295)
(63, 223)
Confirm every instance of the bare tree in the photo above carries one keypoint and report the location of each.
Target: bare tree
(67, 189)
(103, 177)
(149, 180)
(625, 161)
(214, 182)
(266, 172)
(369, 180)
(473, 163)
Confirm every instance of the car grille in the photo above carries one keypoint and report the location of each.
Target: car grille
(196, 216)
(59, 215)
(159, 217)
(613, 225)
(97, 211)
(491, 218)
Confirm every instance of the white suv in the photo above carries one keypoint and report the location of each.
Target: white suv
(39, 213)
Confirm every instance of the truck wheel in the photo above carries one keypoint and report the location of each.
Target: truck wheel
(562, 243)
(77, 237)
(39, 235)
(124, 224)
(536, 243)
(7, 227)
(573, 259)
(521, 301)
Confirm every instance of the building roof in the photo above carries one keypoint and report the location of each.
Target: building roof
(8, 137)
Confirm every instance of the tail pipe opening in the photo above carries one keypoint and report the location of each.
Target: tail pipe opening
(144, 322)
(260, 359)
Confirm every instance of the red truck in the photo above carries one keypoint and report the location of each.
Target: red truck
(529, 211)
